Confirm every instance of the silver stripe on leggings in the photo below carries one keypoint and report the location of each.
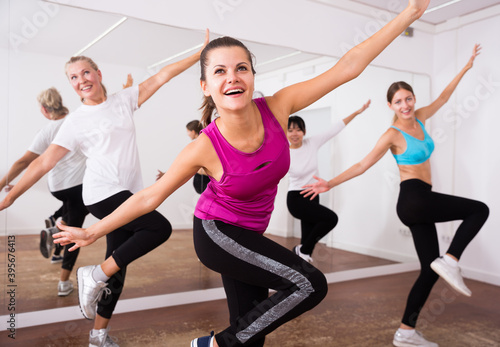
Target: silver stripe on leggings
(249, 256)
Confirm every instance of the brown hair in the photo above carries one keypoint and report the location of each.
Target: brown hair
(393, 89)
(51, 100)
(194, 125)
(92, 64)
(208, 106)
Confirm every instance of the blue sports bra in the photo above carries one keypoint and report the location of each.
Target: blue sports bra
(417, 151)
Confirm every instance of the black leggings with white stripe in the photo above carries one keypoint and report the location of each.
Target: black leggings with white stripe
(250, 264)
(420, 208)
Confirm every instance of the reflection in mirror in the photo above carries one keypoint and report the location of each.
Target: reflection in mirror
(365, 236)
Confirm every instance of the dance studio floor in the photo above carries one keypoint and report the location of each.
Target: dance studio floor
(356, 312)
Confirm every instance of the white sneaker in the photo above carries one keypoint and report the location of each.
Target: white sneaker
(417, 339)
(64, 288)
(102, 339)
(89, 291)
(304, 256)
(451, 275)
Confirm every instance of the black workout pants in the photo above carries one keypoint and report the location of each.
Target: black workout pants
(250, 264)
(73, 213)
(315, 220)
(420, 208)
(127, 244)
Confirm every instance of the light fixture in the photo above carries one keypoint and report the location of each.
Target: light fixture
(280, 58)
(441, 6)
(98, 38)
(175, 56)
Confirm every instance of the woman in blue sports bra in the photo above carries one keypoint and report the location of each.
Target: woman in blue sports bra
(418, 206)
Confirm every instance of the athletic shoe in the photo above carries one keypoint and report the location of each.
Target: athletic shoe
(102, 339)
(64, 288)
(46, 242)
(304, 256)
(417, 339)
(451, 274)
(50, 222)
(205, 341)
(56, 259)
(89, 291)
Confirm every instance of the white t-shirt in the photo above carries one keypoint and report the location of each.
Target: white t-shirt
(69, 171)
(105, 134)
(304, 160)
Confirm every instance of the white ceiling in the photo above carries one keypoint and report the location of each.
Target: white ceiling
(458, 9)
(66, 30)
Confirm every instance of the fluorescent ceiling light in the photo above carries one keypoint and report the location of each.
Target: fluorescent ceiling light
(280, 58)
(98, 38)
(175, 56)
(441, 6)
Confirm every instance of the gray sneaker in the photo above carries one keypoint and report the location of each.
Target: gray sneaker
(64, 288)
(102, 339)
(89, 291)
(416, 340)
(46, 242)
(451, 274)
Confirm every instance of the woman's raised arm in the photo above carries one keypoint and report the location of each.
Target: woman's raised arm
(298, 96)
(428, 111)
(152, 84)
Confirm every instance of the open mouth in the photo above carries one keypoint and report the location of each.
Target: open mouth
(234, 92)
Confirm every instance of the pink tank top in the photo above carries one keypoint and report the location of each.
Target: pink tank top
(245, 194)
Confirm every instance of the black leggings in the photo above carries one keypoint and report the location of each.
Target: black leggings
(127, 243)
(73, 212)
(250, 264)
(315, 220)
(419, 208)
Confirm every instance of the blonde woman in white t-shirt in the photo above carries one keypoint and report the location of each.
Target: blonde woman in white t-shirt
(316, 220)
(64, 182)
(102, 128)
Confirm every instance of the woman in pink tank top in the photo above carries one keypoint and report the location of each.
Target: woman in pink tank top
(245, 153)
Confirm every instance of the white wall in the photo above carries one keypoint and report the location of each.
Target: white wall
(466, 162)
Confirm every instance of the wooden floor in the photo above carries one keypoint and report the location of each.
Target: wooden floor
(355, 313)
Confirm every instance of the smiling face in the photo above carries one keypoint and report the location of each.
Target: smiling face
(295, 136)
(229, 79)
(86, 81)
(403, 104)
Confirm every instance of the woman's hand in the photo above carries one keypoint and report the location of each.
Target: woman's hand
(475, 52)
(8, 188)
(365, 106)
(418, 6)
(80, 237)
(314, 189)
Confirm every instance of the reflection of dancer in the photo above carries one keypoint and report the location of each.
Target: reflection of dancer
(245, 153)
(418, 207)
(200, 179)
(315, 220)
(103, 129)
(64, 181)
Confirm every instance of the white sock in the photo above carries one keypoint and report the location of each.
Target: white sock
(406, 332)
(99, 275)
(450, 261)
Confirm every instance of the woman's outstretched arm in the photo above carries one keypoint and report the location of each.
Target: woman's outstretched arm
(428, 111)
(152, 84)
(298, 96)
